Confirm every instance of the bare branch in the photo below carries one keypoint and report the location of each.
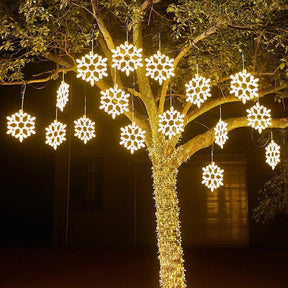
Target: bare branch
(102, 27)
(228, 99)
(182, 53)
(207, 138)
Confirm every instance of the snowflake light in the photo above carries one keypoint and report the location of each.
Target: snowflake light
(126, 58)
(114, 101)
(20, 125)
(198, 90)
(244, 86)
(132, 137)
(221, 133)
(272, 154)
(92, 67)
(160, 67)
(62, 95)
(259, 117)
(55, 134)
(171, 122)
(84, 129)
(212, 176)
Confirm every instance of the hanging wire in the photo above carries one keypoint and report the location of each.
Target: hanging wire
(92, 39)
(132, 98)
(271, 135)
(127, 32)
(85, 105)
(171, 100)
(243, 60)
(63, 73)
(159, 39)
(23, 90)
(56, 113)
(150, 14)
(212, 152)
(253, 140)
(115, 76)
(197, 66)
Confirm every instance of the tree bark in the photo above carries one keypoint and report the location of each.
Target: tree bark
(168, 226)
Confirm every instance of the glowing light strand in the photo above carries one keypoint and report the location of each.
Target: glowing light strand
(114, 101)
(259, 117)
(126, 58)
(91, 68)
(132, 137)
(244, 86)
(55, 134)
(159, 67)
(272, 154)
(198, 90)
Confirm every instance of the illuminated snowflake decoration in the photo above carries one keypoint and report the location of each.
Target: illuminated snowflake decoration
(62, 95)
(55, 134)
(272, 154)
(244, 86)
(92, 67)
(84, 129)
(20, 125)
(259, 117)
(126, 58)
(171, 123)
(132, 137)
(160, 67)
(212, 176)
(114, 101)
(221, 133)
(198, 90)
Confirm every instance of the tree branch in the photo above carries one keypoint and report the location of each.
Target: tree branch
(182, 53)
(196, 112)
(207, 138)
(102, 27)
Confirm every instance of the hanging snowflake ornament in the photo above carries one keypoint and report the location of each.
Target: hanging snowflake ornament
(84, 129)
(272, 154)
(126, 58)
(171, 123)
(244, 86)
(62, 95)
(132, 137)
(55, 134)
(159, 67)
(198, 90)
(221, 133)
(114, 101)
(259, 117)
(212, 176)
(91, 68)
(20, 125)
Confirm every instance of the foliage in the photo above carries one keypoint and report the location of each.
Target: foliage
(273, 197)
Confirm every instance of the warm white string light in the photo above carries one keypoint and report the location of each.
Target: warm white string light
(244, 86)
(171, 123)
(126, 58)
(212, 176)
(259, 117)
(21, 124)
(55, 134)
(62, 95)
(159, 67)
(198, 90)
(221, 133)
(272, 153)
(92, 67)
(114, 101)
(132, 137)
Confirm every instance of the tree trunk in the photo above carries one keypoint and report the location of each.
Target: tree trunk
(168, 227)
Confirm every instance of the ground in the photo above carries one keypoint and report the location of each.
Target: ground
(138, 268)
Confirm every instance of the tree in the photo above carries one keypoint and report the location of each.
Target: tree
(208, 36)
